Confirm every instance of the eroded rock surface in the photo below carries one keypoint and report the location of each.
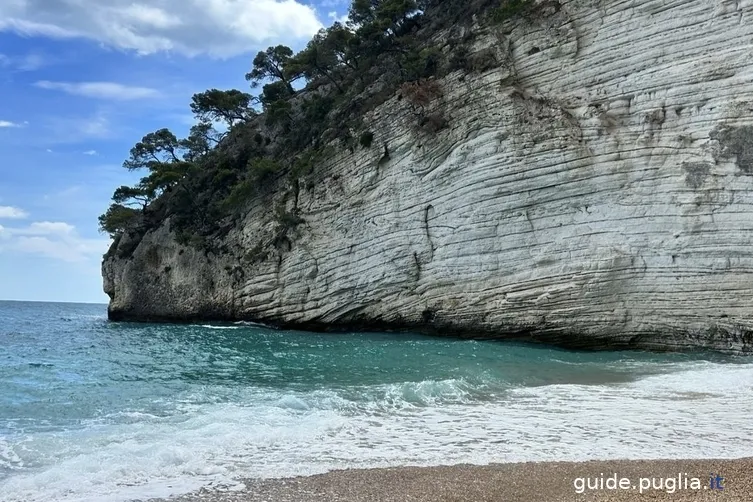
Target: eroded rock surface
(593, 189)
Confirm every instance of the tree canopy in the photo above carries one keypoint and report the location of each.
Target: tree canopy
(229, 107)
(117, 219)
(270, 64)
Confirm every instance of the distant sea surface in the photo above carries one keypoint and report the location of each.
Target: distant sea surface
(99, 411)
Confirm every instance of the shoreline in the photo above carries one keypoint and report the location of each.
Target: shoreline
(671, 480)
(574, 341)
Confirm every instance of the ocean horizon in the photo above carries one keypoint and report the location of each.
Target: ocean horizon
(92, 410)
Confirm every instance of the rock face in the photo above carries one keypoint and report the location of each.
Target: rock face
(594, 188)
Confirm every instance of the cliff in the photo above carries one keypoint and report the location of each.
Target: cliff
(591, 188)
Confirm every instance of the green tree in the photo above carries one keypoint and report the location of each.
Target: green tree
(271, 93)
(202, 138)
(164, 177)
(162, 155)
(154, 149)
(230, 107)
(362, 12)
(396, 12)
(320, 58)
(343, 44)
(271, 64)
(383, 26)
(117, 219)
(279, 113)
(385, 16)
(129, 196)
(416, 65)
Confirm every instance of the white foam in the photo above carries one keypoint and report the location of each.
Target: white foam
(9, 459)
(257, 324)
(701, 411)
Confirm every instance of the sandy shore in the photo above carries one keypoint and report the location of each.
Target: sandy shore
(689, 480)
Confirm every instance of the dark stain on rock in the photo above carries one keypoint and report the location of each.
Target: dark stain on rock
(428, 315)
(736, 142)
(696, 173)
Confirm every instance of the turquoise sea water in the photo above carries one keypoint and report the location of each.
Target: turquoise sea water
(98, 411)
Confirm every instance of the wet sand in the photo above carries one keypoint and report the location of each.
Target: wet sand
(525, 482)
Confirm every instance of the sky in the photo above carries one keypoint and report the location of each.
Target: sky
(81, 81)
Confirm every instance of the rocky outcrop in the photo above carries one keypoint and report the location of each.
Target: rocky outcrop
(594, 188)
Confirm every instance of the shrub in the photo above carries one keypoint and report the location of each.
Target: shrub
(239, 195)
(288, 220)
(483, 60)
(303, 165)
(261, 169)
(118, 219)
(510, 9)
(259, 172)
(422, 64)
(224, 178)
(460, 59)
(279, 113)
(421, 93)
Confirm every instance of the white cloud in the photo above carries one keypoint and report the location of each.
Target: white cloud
(57, 240)
(12, 213)
(96, 126)
(340, 19)
(62, 129)
(28, 62)
(335, 3)
(31, 62)
(7, 123)
(51, 227)
(220, 28)
(43, 228)
(70, 250)
(90, 152)
(100, 90)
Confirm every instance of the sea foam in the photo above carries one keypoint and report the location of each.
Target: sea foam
(271, 434)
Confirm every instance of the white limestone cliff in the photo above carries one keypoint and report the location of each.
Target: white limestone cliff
(593, 189)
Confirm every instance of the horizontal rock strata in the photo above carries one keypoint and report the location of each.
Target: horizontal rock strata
(593, 189)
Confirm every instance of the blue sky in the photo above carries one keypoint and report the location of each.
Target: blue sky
(81, 82)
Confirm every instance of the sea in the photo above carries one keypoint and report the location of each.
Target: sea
(92, 410)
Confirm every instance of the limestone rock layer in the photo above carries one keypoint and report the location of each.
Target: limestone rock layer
(593, 189)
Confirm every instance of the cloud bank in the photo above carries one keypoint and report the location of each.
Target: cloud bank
(219, 28)
(12, 213)
(100, 90)
(52, 239)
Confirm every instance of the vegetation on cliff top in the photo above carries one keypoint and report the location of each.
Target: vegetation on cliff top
(241, 143)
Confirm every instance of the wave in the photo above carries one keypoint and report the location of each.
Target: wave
(9, 459)
(236, 325)
(78, 317)
(267, 433)
(256, 324)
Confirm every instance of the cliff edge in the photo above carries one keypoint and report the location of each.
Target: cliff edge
(592, 187)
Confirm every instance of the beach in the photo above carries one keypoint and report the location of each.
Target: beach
(722, 480)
